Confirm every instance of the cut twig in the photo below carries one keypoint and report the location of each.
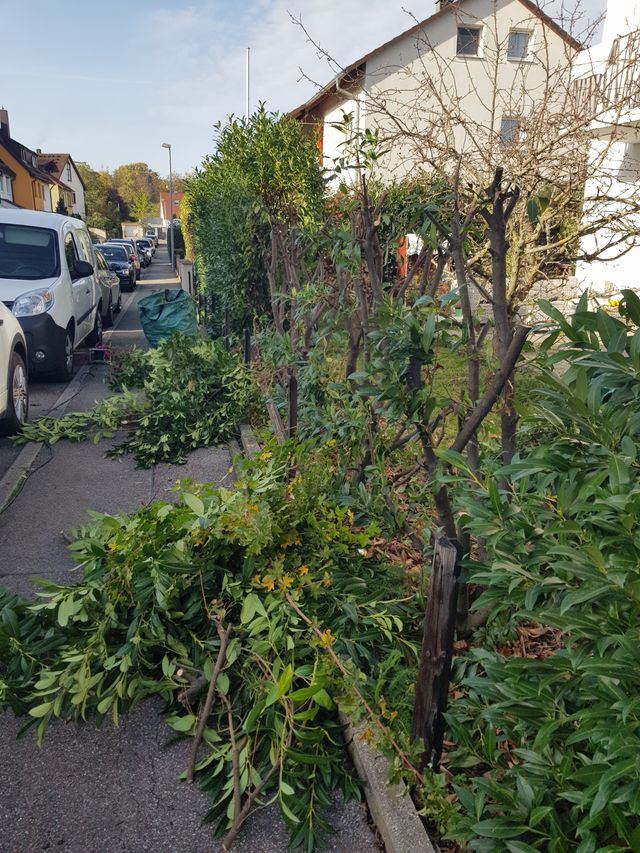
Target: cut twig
(204, 716)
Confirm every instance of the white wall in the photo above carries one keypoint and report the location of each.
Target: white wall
(422, 76)
(75, 183)
(335, 140)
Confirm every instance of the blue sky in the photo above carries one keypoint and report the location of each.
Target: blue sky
(111, 82)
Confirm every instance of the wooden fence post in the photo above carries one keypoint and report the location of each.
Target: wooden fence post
(225, 329)
(292, 424)
(434, 672)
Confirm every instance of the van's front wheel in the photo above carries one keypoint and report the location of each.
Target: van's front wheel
(95, 337)
(65, 370)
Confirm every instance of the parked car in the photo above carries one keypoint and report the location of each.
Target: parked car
(135, 256)
(47, 279)
(119, 261)
(144, 251)
(148, 243)
(152, 236)
(110, 288)
(14, 381)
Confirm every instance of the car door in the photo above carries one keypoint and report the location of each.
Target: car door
(5, 343)
(86, 250)
(81, 288)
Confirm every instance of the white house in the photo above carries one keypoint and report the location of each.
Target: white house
(65, 170)
(464, 79)
(609, 77)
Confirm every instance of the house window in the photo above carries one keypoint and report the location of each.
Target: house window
(5, 187)
(68, 171)
(509, 130)
(70, 251)
(469, 41)
(518, 44)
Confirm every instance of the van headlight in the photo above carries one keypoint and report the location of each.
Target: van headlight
(33, 302)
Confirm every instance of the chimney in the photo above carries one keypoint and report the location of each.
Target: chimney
(38, 150)
(440, 4)
(4, 122)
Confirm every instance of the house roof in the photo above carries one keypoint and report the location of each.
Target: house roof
(59, 162)
(164, 201)
(349, 74)
(5, 170)
(15, 148)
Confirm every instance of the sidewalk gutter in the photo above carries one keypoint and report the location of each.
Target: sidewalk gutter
(390, 805)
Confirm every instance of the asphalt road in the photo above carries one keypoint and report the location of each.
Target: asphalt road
(44, 393)
(111, 790)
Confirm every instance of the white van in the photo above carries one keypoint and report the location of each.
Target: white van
(47, 280)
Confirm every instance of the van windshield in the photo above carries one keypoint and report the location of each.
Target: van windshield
(27, 252)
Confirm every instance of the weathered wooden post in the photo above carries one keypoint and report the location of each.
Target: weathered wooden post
(293, 406)
(225, 329)
(434, 672)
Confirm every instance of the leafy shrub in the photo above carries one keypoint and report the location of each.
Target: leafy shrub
(553, 743)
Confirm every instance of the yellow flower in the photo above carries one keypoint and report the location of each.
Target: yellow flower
(256, 579)
(303, 570)
(327, 638)
(253, 507)
(367, 735)
(614, 303)
(286, 581)
(112, 546)
(332, 442)
(266, 455)
(326, 580)
(269, 584)
(386, 713)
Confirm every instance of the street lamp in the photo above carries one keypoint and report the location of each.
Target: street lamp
(168, 146)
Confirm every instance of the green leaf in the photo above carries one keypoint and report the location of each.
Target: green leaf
(498, 828)
(181, 724)
(41, 710)
(194, 503)
(222, 683)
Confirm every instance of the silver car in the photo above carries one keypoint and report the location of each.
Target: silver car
(110, 287)
(14, 382)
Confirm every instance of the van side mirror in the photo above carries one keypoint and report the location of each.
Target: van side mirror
(81, 269)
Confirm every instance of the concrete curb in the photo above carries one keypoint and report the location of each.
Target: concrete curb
(391, 806)
(19, 470)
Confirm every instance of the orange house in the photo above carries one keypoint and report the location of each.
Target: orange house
(31, 185)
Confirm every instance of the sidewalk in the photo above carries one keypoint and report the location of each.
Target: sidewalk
(110, 790)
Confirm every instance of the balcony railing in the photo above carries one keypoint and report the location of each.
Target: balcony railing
(617, 88)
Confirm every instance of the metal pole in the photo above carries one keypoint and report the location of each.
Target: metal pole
(171, 254)
(247, 107)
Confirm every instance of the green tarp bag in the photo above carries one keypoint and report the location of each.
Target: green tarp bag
(165, 312)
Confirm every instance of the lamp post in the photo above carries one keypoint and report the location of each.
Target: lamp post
(168, 146)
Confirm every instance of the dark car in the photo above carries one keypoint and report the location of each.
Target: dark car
(144, 250)
(119, 260)
(134, 254)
